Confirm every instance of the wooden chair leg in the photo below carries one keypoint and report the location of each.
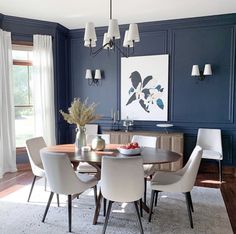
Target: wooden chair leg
(141, 207)
(145, 190)
(58, 201)
(156, 197)
(48, 205)
(69, 211)
(151, 205)
(107, 217)
(139, 218)
(220, 171)
(31, 189)
(97, 210)
(190, 200)
(104, 206)
(189, 209)
(95, 194)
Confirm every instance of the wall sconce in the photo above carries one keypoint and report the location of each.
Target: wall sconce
(93, 80)
(201, 74)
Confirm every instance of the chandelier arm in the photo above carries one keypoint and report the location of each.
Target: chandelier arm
(94, 53)
(121, 51)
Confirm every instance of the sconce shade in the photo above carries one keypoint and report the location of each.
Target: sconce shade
(133, 34)
(88, 74)
(90, 33)
(127, 43)
(195, 70)
(207, 70)
(113, 29)
(98, 75)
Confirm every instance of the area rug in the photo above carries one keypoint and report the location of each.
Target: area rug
(170, 215)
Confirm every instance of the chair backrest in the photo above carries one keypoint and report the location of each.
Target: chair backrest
(33, 147)
(60, 174)
(186, 183)
(91, 129)
(145, 141)
(105, 137)
(122, 178)
(209, 139)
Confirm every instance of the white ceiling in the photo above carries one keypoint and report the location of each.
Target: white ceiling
(74, 14)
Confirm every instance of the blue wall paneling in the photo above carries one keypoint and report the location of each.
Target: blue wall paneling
(192, 103)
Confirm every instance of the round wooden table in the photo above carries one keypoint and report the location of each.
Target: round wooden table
(149, 155)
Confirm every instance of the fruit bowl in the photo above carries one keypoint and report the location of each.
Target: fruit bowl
(135, 151)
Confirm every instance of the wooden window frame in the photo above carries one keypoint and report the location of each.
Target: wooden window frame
(21, 150)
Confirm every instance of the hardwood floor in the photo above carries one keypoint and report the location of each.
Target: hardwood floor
(11, 182)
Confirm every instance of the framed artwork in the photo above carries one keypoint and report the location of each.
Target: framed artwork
(144, 88)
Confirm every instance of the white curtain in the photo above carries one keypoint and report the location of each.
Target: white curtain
(7, 114)
(43, 88)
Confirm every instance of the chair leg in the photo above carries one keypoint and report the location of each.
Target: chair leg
(145, 190)
(220, 171)
(151, 205)
(141, 207)
(139, 218)
(48, 205)
(69, 211)
(156, 197)
(97, 210)
(95, 194)
(107, 217)
(58, 201)
(31, 189)
(189, 209)
(104, 206)
(190, 200)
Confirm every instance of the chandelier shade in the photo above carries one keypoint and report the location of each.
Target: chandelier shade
(111, 36)
(133, 34)
(126, 42)
(90, 33)
(113, 29)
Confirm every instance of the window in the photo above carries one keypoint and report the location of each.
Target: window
(22, 83)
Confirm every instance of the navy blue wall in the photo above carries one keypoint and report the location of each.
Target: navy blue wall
(1, 18)
(22, 31)
(192, 104)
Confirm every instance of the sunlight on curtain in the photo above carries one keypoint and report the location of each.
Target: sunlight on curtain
(43, 88)
(7, 116)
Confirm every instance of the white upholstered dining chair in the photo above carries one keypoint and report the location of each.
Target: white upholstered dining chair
(63, 180)
(149, 170)
(211, 143)
(180, 181)
(33, 147)
(91, 129)
(122, 181)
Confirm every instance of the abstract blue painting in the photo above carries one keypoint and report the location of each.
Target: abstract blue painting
(144, 88)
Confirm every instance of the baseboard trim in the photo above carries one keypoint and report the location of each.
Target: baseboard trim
(213, 168)
(23, 166)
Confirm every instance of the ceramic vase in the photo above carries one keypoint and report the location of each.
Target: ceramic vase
(80, 139)
(98, 143)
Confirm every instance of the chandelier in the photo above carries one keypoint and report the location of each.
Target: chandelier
(111, 36)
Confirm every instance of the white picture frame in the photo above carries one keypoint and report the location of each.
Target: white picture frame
(144, 87)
